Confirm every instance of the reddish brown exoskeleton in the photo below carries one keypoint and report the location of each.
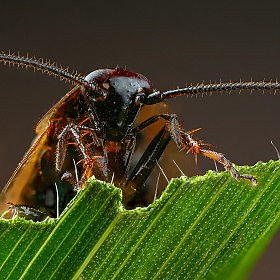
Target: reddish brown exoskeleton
(91, 131)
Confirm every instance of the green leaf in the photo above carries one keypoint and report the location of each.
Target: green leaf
(209, 227)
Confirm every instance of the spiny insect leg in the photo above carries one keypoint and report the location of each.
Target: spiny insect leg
(25, 211)
(172, 126)
(78, 184)
(148, 160)
(88, 164)
(76, 132)
(92, 132)
(227, 164)
(154, 151)
(72, 130)
(196, 146)
(150, 121)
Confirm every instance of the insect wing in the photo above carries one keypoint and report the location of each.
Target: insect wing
(13, 189)
(39, 162)
(57, 109)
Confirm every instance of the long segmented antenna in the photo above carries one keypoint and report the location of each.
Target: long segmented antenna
(159, 96)
(45, 67)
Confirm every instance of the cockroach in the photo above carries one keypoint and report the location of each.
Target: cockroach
(92, 131)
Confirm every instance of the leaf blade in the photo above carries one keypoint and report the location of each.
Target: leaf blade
(201, 228)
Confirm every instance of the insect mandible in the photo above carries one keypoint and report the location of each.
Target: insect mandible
(91, 131)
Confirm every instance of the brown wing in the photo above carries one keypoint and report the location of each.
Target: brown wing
(46, 119)
(20, 177)
(29, 167)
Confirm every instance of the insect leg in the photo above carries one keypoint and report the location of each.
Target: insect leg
(78, 184)
(172, 126)
(184, 139)
(154, 151)
(152, 120)
(72, 130)
(148, 160)
(88, 130)
(196, 146)
(89, 161)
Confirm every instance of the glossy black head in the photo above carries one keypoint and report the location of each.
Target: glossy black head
(122, 91)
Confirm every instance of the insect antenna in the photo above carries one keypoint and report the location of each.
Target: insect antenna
(46, 67)
(159, 96)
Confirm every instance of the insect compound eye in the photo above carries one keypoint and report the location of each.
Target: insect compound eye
(96, 96)
(102, 95)
(99, 78)
(139, 98)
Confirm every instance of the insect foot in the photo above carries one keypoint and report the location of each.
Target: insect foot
(196, 146)
(24, 211)
(88, 163)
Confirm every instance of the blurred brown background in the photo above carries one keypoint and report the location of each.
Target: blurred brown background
(172, 43)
